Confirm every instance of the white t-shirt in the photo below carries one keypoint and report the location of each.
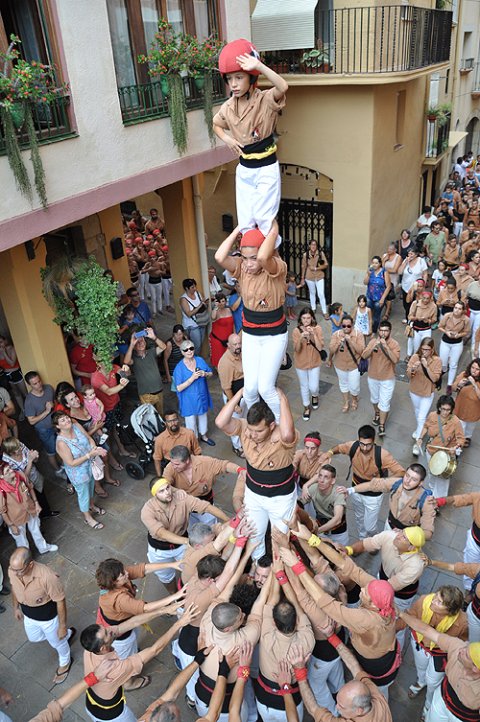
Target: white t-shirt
(427, 221)
(410, 275)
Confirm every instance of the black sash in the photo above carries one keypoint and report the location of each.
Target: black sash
(237, 384)
(358, 480)
(342, 527)
(476, 533)
(407, 592)
(115, 623)
(205, 686)
(258, 147)
(188, 639)
(394, 523)
(163, 545)
(115, 705)
(326, 652)
(264, 323)
(275, 482)
(455, 706)
(43, 613)
(270, 699)
(379, 668)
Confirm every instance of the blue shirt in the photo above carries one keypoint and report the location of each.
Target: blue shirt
(237, 315)
(142, 314)
(195, 399)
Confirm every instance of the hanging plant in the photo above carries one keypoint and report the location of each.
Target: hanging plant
(22, 84)
(84, 301)
(178, 112)
(202, 61)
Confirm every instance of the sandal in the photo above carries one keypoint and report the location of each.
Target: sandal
(60, 677)
(239, 452)
(117, 467)
(97, 510)
(314, 402)
(376, 420)
(113, 482)
(144, 682)
(381, 430)
(415, 689)
(354, 404)
(345, 408)
(97, 526)
(101, 493)
(130, 454)
(467, 443)
(306, 414)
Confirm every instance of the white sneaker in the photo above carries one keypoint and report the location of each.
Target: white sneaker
(416, 450)
(414, 435)
(50, 548)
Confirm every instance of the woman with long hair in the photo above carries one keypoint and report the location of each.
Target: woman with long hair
(424, 371)
(307, 356)
(455, 327)
(314, 265)
(467, 404)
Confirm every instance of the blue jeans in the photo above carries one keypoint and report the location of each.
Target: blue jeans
(197, 334)
(376, 309)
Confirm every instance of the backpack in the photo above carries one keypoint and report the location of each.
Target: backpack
(420, 502)
(378, 459)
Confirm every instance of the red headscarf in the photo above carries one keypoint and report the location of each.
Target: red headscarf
(381, 593)
(8, 488)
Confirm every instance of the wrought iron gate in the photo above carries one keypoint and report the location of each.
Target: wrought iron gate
(302, 221)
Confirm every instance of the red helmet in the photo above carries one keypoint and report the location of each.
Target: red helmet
(227, 61)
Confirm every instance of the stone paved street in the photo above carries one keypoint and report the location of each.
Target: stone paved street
(26, 670)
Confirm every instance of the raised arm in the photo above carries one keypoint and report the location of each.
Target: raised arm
(225, 421)
(222, 255)
(286, 424)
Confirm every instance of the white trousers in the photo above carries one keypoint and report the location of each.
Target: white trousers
(468, 428)
(415, 340)
(309, 380)
(202, 711)
(366, 510)
(257, 192)
(197, 424)
(426, 673)
(185, 659)
(126, 716)
(438, 711)
(421, 407)
(317, 288)
(473, 625)
(271, 714)
(381, 392)
(128, 646)
(21, 539)
(349, 381)
(143, 286)
(236, 443)
(40, 631)
(325, 679)
(471, 555)
(166, 290)
(450, 354)
(475, 324)
(261, 358)
(155, 290)
(165, 555)
(262, 509)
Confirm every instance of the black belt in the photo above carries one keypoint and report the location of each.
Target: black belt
(455, 705)
(162, 545)
(324, 651)
(272, 696)
(258, 147)
(43, 613)
(264, 323)
(207, 497)
(204, 688)
(274, 482)
(447, 339)
(188, 639)
(421, 326)
(237, 384)
(105, 709)
(115, 623)
(394, 523)
(358, 480)
(476, 533)
(342, 527)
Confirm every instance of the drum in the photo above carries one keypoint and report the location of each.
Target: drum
(442, 464)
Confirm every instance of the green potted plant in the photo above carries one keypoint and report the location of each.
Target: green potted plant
(432, 113)
(84, 301)
(22, 85)
(316, 61)
(202, 60)
(444, 113)
(167, 59)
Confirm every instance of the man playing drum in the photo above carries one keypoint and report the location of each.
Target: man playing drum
(445, 440)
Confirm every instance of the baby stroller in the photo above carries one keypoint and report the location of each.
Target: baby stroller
(147, 424)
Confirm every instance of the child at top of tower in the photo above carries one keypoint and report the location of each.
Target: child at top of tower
(246, 123)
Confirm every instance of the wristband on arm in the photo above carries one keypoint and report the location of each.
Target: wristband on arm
(301, 674)
(334, 640)
(349, 550)
(243, 672)
(282, 577)
(235, 521)
(241, 541)
(200, 656)
(232, 539)
(441, 500)
(314, 541)
(223, 668)
(299, 568)
(90, 679)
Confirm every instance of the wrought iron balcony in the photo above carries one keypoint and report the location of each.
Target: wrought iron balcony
(51, 121)
(467, 65)
(363, 40)
(437, 136)
(143, 102)
(476, 82)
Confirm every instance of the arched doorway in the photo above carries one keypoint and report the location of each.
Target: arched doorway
(306, 213)
(472, 140)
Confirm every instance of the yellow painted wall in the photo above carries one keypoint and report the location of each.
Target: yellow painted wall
(37, 340)
(111, 224)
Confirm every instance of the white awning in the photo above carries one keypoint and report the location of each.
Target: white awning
(284, 24)
(455, 136)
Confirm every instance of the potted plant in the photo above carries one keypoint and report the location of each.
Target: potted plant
(432, 113)
(316, 61)
(84, 301)
(444, 113)
(202, 60)
(23, 84)
(167, 60)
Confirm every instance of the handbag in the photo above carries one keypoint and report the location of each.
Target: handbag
(323, 353)
(287, 362)
(98, 468)
(409, 330)
(437, 384)
(202, 317)
(362, 364)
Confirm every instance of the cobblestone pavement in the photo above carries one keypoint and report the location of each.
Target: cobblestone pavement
(26, 670)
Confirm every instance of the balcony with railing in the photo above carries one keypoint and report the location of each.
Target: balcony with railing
(466, 65)
(367, 40)
(475, 91)
(436, 139)
(148, 101)
(51, 122)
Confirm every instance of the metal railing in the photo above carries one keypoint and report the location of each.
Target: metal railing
(437, 136)
(361, 40)
(147, 101)
(51, 121)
